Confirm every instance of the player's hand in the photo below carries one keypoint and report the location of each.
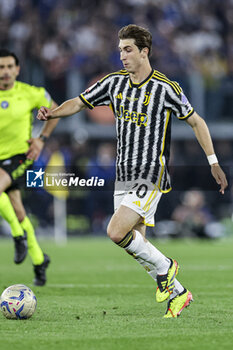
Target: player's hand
(36, 145)
(44, 113)
(219, 176)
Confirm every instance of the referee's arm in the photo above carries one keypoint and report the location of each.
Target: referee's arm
(50, 125)
(36, 144)
(203, 136)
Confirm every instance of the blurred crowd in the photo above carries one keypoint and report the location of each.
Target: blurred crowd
(192, 43)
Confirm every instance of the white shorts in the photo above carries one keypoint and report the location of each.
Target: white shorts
(140, 195)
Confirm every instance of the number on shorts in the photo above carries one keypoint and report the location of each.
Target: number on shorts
(141, 191)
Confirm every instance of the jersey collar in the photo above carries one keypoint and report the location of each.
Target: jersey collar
(139, 85)
(9, 90)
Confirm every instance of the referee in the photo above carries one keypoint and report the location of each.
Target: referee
(18, 150)
(143, 100)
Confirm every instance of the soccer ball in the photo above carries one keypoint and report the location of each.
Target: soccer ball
(18, 302)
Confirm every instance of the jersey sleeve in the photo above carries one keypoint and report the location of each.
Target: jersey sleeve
(97, 94)
(178, 103)
(39, 97)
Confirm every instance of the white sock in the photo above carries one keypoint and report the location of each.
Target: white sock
(151, 270)
(147, 256)
(177, 290)
(147, 252)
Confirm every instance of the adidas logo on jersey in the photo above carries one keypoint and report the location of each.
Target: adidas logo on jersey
(119, 96)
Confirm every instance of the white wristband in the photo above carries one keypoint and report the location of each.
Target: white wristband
(212, 159)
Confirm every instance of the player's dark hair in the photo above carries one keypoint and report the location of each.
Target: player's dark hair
(7, 53)
(142, 36)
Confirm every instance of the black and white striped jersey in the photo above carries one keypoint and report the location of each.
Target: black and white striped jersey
(143, 122)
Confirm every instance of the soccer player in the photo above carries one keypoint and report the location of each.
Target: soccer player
(143, 100)
(17, 152)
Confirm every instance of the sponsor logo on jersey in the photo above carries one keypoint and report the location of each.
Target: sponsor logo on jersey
(134, 117)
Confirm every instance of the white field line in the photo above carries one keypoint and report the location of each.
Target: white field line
(186, 268)
(107, 285)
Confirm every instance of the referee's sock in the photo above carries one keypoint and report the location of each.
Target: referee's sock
(34, 249)
(8, 214)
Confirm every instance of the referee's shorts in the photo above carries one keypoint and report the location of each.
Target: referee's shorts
(16, 167)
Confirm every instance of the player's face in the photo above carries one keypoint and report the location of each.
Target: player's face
(130, 55)
(8, 72)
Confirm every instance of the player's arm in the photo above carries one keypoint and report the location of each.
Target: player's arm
(203, 136)
(66, 109)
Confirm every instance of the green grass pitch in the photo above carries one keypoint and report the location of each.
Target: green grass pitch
(98, 297)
